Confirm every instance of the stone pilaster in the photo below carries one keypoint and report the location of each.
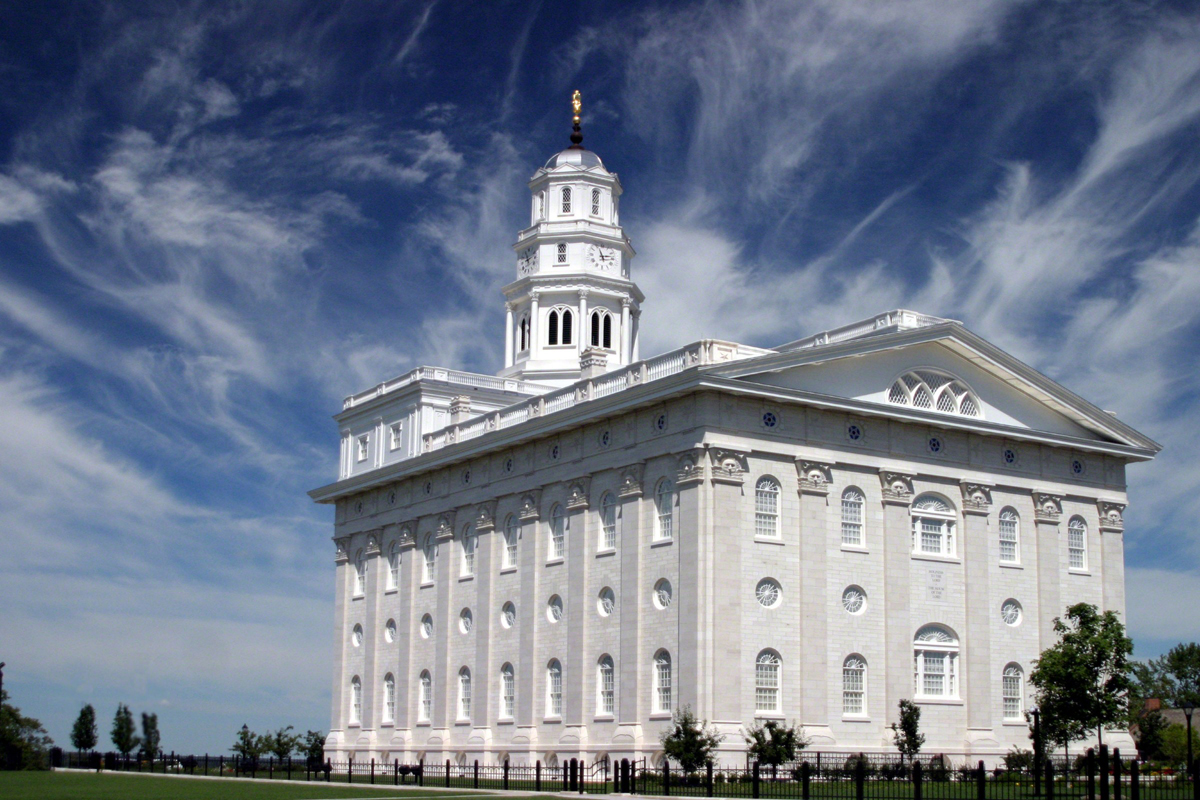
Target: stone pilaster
(897, 570)
(341, 682)
(977, 645)
(691, 547)
(813, 480)
(578, 662)
(1112, 553)
(371, 634)
(1047, 514)
(406, 676)
(484, 673)
(530, 672)
(728, 468)
(629, 542)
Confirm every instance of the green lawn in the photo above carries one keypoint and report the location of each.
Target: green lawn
(110, 786)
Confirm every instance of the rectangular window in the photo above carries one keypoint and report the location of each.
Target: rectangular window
(852, 522)
(555, 709)
(663, 689)
(1077, 547)
(397, 430)
(1012, 697)
(609, 521)
(464, 700)
(510, 547)
(1008, 541)
(595, 202)
(426, 700)
(852, 690)
(934, 684)
(607, 690)
(507, 695)
(364, 443)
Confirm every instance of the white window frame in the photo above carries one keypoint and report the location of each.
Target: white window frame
(1012, 693)
(1009, 533)
(424, 696)
(566, 199)
(393, 580)
(468, 544)
(606, 686)
(360, 574)
(933, 527)
(1077, 541)
(429, 562)
(766, 508)
(554, 687)
(661, 681)
(608, 522)
(512, 531)
(355, 700)
(935, 656)
(854, 686)
(768, 682)
(397, 435)
(464, 693)
(853, 529)
(596, 196)
(558, 534)
(389, 698)
(508, 691)
(664, 506)
(364, 447)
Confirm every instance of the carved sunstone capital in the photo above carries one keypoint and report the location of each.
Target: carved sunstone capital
(1047, 507)
(728, 466)
(897, 487)
(485, 516)
(531, 504)
(631, 480)
(374, 538)
(445, 526)
(1112, 515)
(342, 545)
(689, 468)
(408, 533)
(814, 476)
(578, 493)
(976, 497)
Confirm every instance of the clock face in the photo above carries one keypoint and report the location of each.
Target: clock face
(602, 257)
(527, 261)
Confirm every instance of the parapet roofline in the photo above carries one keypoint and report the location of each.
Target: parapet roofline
(473, 380)
(900, 319)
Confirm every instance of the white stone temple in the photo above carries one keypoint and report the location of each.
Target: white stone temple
(544, 564)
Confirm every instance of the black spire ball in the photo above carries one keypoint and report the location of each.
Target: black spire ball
(576, 136)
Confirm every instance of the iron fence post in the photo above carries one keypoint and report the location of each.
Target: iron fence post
(981, 781)
(1195, 774)
(708, 780)
(396, 772)
(916, 781)
(476, 773)
(754, 782)
(1135, 790)
(1091, 773)
(447, 773)
(1049, 780)
(421, 774)
(372, 771)
(860, 777)
(1103, 772)
(805, 780)
(1116, 777)
(506, 776)
(666, 777)
(537, 776)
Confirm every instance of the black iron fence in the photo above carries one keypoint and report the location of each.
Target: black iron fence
(1094, 775)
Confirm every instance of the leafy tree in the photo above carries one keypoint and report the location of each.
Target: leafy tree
(1182, 667)
(282, 742)
(907, 732)
(774, 743)
(124, 732)
(23, 740)
(1082, 681)
(689, 741)
(249, 744)
(83, 732)
(314, 747)
(1174, 747)
(150, 735)
(1150, 735)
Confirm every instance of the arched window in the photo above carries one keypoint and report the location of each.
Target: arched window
(595, 341)
(389, 698)
(605, 686)
(360, 573)
(468, 551)
(933, 521)
(664, 498)
(558, 533)
(1077, 543)
(608, 331)
(562, 252)
(595, 202)
(429, 564)
(425, 697)
(854, 686)
(508, 692)
(567, 318)
(1013, 681)
(541, 206)
(608, 522)
(552, 328)
(662, 682)
(511, 530)
(464, 693)
(1010, 537)
(566, 200)
(934, 390)
(394, 566)
(554, 688)
(766, 682)
(601, 329)
(852, 517)
(355, 699)
(935, 662)
(524, 334)
(766, 508)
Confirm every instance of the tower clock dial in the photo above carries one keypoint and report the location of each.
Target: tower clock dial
(602, 257)
(527, 261)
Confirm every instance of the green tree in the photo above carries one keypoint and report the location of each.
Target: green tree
(907, 732)
(1181, 665)
(150, 735)
(1174, 746)
(83, 732)
(22, 739)
(1150, 735)
(249, 744)
(1082, 681)
(124, 732)
(314, 747)
(282, 743)
(774, 743)
(689, 741)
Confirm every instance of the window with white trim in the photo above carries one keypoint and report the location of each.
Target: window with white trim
(397, 435)
(600, 328)
(393, 579)
(566, 200)
(1077, 543)
(464, 693)
(852, 517)
(662, 683)
(854, 686)
(595, 202)
(468, 552)
(933, 520)
(425, 697)
(664, 499)
(561, 252)
(429, 562)
(606, 690)
(508, 691)
(1010, 537)
(355, 700)
(558, 533)
(554, 688)
(1013, 681)
(524, 330)
(389, 698)
(766, 682)
(608, 522)
(766, 508)
(935, 663)
(512, 528)
(559, 326)
(364, 446)
(360, 574)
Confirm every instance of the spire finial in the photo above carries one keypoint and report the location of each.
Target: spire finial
(576, 132)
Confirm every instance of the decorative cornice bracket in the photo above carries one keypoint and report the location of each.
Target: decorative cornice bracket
(1047, 507)
(485, 516)
(976, 497)
(690, 467)
(1112, 516)
(814, 476)
(531, 503)
(728, 466)
(578, 493)
(897, 487)
(631, 480)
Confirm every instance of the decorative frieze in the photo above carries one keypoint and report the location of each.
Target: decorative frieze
(814, 477)
(1112, 515)
(897, 487)
(342, 545)
(530, 504)
(578, 493)
(631, 480)
(485, 516)
(976, 497)
(728, 466)
(1047, 507)
(690, 467)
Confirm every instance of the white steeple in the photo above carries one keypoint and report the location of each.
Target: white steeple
(573, 290)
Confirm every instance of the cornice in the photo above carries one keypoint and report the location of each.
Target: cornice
(373, 539)
(445, 525)
(342, 547)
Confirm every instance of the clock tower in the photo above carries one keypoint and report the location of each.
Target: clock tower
(573, 291)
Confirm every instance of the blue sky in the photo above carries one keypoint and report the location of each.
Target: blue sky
(218, 219)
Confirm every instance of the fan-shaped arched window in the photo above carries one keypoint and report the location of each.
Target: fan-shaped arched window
(662, 682)
(429, 564)
(1013, 682)
(393, 566)
(554, 688)
(360, 573)
(595, 202)
(511, 530)
(766, 682)
(1010, 537)
(606, 691)
(766, 508)
(468, 552)
(389, 698)
(566, 200)
(508, 691)
(558, 533)
(664, 498)
(1077, 543)
(935, 662)
(933, 520)
(425, 697)
(934, 390)
(852, 517)
(355, 699)
(854, 686)
(464, 693)
(608, 522)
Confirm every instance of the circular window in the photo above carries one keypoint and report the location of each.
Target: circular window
(466, 478)
(605, 439)
(1011, 613)
(662, 593)
(357, 636)
(465, 620)
(854, 599)
(426, 626)
(1010, 456)
(554, 608)
(428, 487)
(768, 593)
(606, 604)
(508, 615)
(854, 432)
(935, 444)
(508, 464)
(769, 420)
(554, 451)
(1077, 466)
(661, 422)
(389, 630)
